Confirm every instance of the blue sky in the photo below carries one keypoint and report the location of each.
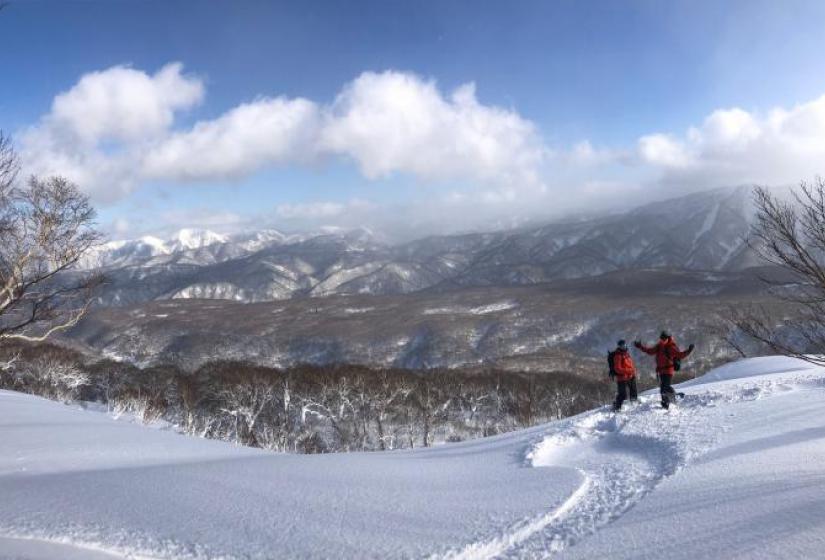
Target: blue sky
(574, 103)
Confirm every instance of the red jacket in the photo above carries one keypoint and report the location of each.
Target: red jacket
(665, 351)
(623, 366)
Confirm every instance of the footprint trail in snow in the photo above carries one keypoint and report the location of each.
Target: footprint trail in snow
(622, 457)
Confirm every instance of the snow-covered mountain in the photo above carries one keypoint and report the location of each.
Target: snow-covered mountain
(735, 470)
(703, 231)
(150, 249)
(188, 239)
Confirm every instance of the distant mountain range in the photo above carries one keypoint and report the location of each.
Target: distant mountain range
(700, 232)
(566, 325)
(553, 297)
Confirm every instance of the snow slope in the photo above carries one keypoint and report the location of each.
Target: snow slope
(736, 470)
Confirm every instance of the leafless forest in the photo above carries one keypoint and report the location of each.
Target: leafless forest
(307, 409)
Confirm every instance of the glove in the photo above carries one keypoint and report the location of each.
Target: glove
(691, 347)
(637, 343)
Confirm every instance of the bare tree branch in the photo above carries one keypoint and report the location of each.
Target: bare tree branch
(46, 226)
(791, 235)
(9, 163)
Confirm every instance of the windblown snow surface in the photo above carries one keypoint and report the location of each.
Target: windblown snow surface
(735, 470)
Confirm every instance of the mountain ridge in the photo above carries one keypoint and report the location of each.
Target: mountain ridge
(700, 231)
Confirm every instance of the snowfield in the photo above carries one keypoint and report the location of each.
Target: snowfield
(735, 470)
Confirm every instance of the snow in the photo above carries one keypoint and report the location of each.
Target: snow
(258, 240)
(569, 332)
(443, 311)
(158, 245)
(189, 238)
(734, 470)
(144, 249)
(710, 221)
(357, 310)
(477, 310)
(215, 290)
(75, 476)
(342, 275)
(730, 250)
(36, 549)
(768, 365)
(493, 308)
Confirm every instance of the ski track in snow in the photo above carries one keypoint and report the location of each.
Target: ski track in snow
(622, 457)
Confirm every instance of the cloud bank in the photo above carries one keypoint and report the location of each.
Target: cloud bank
(115, 128)
(119, 128)
(734, 146)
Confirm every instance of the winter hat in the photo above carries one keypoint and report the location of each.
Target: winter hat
(622, 343)
(664, 335)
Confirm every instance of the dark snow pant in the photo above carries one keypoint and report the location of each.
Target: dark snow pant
(666, 390)
(623, 388)
(631, 389)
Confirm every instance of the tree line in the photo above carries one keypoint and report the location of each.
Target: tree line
(307, 409)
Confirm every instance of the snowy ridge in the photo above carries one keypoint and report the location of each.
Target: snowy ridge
(698, 480)
(189, 238)
(705, 233)
(623, 457)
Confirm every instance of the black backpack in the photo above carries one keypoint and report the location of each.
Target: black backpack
(611, 371)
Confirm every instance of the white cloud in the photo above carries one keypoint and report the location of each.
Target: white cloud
(123, 104)
(267, 131)
(312, 210)
(319, 211)
(96, 131)
(120, 227)
(734, 146)
(386, 123)
(106, 177)
(731, 129)
(166, 222)
(664, 150)
(396, 122)
(584, 154)
(115, 128)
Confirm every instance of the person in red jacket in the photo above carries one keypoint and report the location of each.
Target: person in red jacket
(625, 372)
(666, 351)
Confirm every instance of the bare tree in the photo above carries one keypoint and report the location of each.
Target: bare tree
(720, 326)
(9, 164)
(791, 235)
(246, 401)
(46, 227)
